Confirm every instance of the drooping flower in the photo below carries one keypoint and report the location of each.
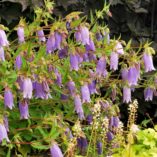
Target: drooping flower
(41, 90)
(71, 87)
(85, 93)
(115, 121)
(114, 61)
(41, 35)
(78, 36)
(99, 148)
(63, 53)
(6, 123)
(78, 106)
(2, 56)
(124, 74)
(84, 35)
(148, 94)
(90, 46)
(126, 94)
(92, 87)
(58, 40)
(74, 63)
(8, 98)
(64, 97)
(58, 78)
(148, 62)
(110, 136)
(18, 62)
(55, 150)
(3, 39)
(89, 119)
(27, 88)
(23, 107)
(99, 36)
(3, 133)
(133, 75)
(82, 144)
(119, 48)
(101, 66)
(50, 44)
(20, 33)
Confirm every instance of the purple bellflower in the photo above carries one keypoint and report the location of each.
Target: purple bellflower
(91, 46)
(133, 75)
(74, 62)
(114, 61)
(84, 35)
(63, 53)
(148, 62)
(110, 136)
(58, 40)
(99, 148)
(3, 133)
(85, 93)
(148, 94)
(2, 56)
(50, 44)
(101, 66)
(41, 35)
(6, 123)
(3, 39)
(92, 87)
(55, 151)
(20, 33)
(27, 88)
(126, 94)
(8, 98)
(82, 144)
(78, 107)
(71, 87)
(23, 107)
(58, 78)
(18, 62)
(119, 48)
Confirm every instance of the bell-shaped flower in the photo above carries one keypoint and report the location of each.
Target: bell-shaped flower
(78, 36)
(58, 78)
(99, 148)
(110, 136)
(119, 48)
(3, 133)
(82, 144)
(101, 66)
(58, 40)
(126, 94)
(84, 35)
(6, 123)
(114, 61)
(8, 98)
(92, 87)
(3, 39)
(74, 62)
(90, 46)
(50, 44)
(63, 53)
(78, 107)
(2, 56)
(55, 150)
(124, 74)
(133, 75)
(18, 62)
(99, 36)
(148, 94)
(23, 107)
(148, 62)
(71, 87)
(27, 88)
(20, 33)
(85, 93)
(41, 35)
